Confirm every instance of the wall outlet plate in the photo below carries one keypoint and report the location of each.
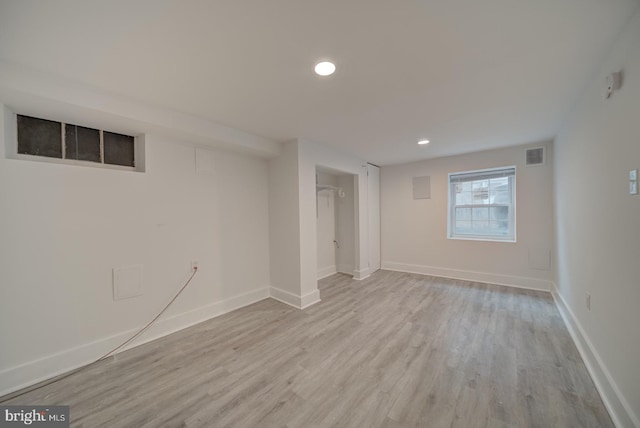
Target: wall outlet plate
(633, 174)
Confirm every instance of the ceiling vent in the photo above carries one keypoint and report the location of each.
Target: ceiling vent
(535, 156)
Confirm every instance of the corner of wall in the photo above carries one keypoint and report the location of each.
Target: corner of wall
(294, 300)
(10, 132)
(468, 275)
(15, 378)
(619, 409)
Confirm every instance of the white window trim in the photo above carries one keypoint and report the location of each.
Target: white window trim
(482, 237)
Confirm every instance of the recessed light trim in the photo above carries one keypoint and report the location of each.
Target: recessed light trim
(325, 68)
(423, 142)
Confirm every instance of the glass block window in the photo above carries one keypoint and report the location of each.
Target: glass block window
(118, 149)
(39, 137)
(47, 138)
(82, 143)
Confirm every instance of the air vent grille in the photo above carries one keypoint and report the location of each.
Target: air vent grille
(535, 156)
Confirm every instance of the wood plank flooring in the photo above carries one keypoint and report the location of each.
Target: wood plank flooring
(394, 350)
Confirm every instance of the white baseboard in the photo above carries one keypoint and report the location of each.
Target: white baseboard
(327, 271)
(32, 372)
(467, 275)
(346, 269)
(621, 412)
(298, 302)
(361, 274)
(310, 299)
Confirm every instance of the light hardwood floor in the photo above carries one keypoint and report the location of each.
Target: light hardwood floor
(394, 350)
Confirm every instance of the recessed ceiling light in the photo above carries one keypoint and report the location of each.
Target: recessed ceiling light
(423, 142)
(325, 68)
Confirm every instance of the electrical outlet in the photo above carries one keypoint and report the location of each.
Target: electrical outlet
(194, 265)
(587, 300)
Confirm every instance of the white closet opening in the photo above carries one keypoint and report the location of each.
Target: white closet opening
(335, 193)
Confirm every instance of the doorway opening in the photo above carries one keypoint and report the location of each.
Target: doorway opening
(336, 222)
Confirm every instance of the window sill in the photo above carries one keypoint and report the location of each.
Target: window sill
(481, 238)
(59, 161)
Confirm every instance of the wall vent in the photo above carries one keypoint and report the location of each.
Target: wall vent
(535, 156)
(422, 187)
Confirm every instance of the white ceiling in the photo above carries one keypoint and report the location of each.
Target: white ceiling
(466, 74)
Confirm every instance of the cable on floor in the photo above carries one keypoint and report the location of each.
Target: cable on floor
(38, 386)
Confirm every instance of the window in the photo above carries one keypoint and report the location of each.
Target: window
(482, 205)
(118, 149)
(82, 143)
(40, 137)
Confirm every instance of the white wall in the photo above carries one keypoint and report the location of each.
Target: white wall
(45, 95)
(336, 220)
(414, 232)
(293, 222)
(346, 226)
(312, 155)
(284, 223)
(598, 229)
(64, 227)
(373, 192)
(326, 225)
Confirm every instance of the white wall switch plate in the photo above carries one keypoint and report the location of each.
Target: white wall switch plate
(633, 187)
(633, 175)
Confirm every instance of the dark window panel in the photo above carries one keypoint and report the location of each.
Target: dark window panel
(82, 143)
(39, 137)
(118, 149)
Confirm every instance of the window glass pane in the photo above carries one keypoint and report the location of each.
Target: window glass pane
(500, 220)
(480, 220)
(464, 193)
(118, 149)
(463, 213)
(480, 191)
(39, 137)
(479, 214)
(500, 213)
(82, 143)
(500, 191)
(463, 227)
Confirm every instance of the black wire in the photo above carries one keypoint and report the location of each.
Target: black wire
(36, 387)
